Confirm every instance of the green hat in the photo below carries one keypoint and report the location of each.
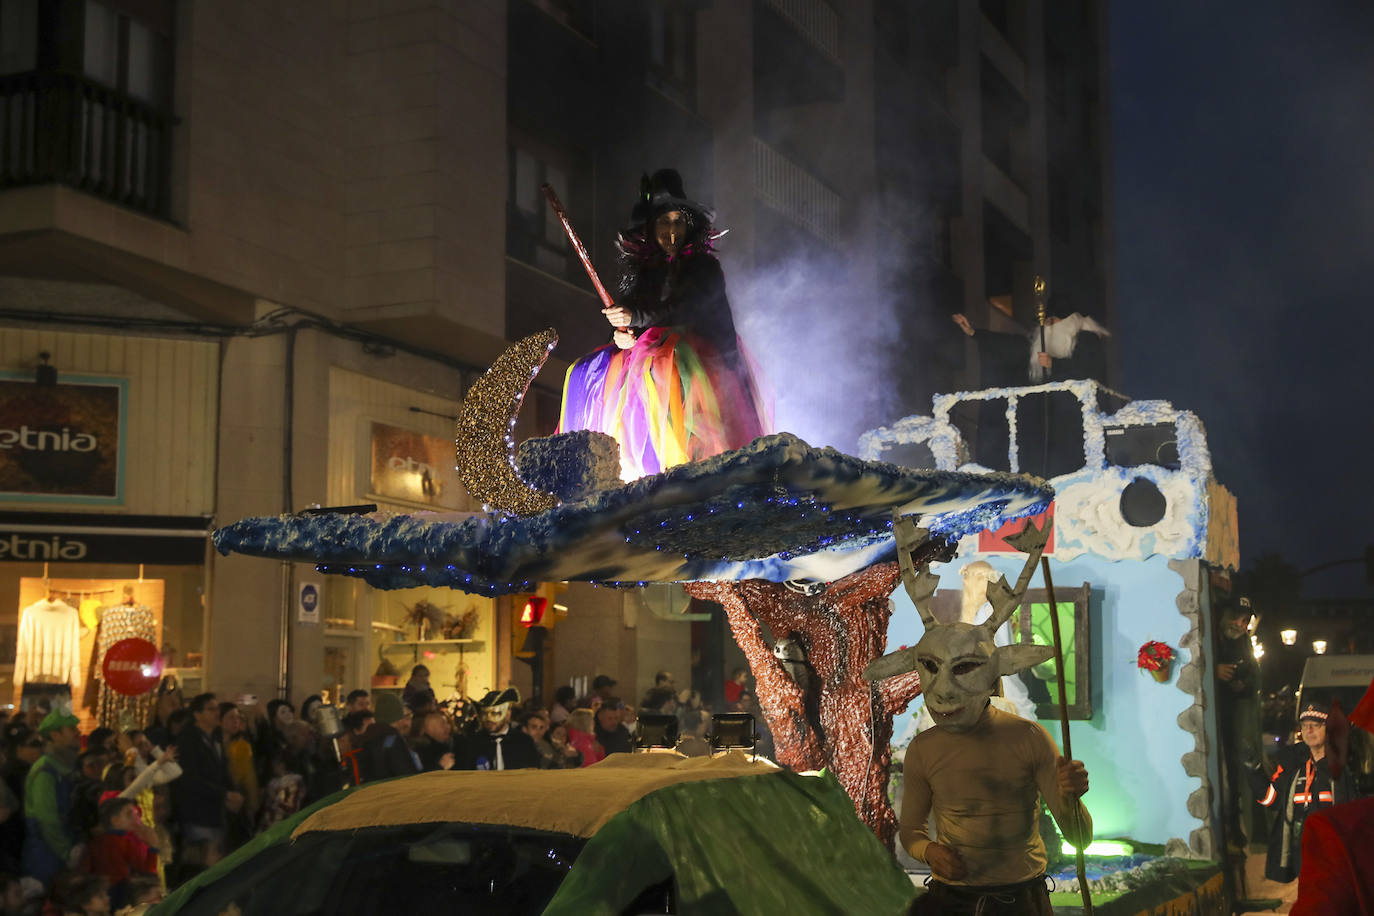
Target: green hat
(56, 719)
(388, 708)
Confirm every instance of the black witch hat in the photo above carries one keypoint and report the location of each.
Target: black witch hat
(663, 193)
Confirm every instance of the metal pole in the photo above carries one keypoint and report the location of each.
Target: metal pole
(1040, 289)
(1079, 864)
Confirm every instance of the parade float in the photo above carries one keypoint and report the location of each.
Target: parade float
(798, 533)
(1143, 542)
(797, 544)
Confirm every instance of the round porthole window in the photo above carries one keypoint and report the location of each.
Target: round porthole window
(1142, 504)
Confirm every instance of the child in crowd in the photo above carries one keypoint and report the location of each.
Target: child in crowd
(124, 847)
(80, 894)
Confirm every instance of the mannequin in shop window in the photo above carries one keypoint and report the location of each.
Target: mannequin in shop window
(128, 619)
(47, 664)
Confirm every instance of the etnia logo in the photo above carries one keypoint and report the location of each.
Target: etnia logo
(46, 440)
(406, 463)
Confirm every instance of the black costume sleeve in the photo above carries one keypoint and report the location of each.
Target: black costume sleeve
(695, 299)
(1002, 359)
(1089, 360)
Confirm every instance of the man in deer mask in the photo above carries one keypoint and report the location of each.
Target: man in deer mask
(982, 771)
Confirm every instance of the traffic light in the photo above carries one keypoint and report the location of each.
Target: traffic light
(532, 610)
(532, 615)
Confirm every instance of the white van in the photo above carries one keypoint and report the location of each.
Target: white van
(1344, 678)
(1335, 677)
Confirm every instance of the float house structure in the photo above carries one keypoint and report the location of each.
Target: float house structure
(1143, 544)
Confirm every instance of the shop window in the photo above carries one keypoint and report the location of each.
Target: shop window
(106, 612)
(1033, 625)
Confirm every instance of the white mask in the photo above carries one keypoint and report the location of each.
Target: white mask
(959, 663)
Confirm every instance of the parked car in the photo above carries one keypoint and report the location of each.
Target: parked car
(636, 833)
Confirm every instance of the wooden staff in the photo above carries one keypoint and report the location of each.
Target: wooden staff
(1079, 864)
(578, 247)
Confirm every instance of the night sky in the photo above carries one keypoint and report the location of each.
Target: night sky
(1244, 182)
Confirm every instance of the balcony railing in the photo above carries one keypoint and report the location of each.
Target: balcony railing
(814, 19)
(65, 129)
(789, 188)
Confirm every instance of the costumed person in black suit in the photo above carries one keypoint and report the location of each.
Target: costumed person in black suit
(674, 385)
(1018, 359)
(1065, 348)
(495, 745)
(1301, 784)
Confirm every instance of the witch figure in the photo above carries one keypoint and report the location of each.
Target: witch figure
(674, 385)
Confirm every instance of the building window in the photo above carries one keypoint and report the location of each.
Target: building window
(87, 99)
(673, 51)
(1061, 221)
(124, 54)
(18, 36)
(1092, 235)
(1057, 77)
(578, 15)
(534, 234)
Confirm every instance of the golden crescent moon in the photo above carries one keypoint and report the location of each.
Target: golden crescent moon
(484, 449)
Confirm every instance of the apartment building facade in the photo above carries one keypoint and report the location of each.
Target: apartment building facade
(267, 246)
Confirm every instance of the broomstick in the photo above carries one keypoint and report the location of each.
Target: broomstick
(1079, 864)
(557, 205)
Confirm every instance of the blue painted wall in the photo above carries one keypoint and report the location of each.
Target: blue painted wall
(1133, 745)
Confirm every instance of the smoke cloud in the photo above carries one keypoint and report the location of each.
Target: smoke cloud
(839, 333)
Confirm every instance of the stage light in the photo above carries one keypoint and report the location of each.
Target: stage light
(656, 731)
(1319, 646)
(1101, 848)
(1289, 637)
(731, 730)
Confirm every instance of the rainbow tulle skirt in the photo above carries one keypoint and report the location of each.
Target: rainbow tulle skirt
(667, 400)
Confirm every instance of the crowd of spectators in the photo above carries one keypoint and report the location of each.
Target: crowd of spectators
(108, 821)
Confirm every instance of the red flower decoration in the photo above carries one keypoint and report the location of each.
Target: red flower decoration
(1153, 656)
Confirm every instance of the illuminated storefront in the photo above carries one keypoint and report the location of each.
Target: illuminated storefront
(106, 484)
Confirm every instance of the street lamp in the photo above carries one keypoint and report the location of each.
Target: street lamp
(1258, 650)
(1319, 646)
(1289, 637)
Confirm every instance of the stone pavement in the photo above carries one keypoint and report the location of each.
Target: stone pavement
(1259, 887)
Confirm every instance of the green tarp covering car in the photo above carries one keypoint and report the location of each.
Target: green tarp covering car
(637, 833)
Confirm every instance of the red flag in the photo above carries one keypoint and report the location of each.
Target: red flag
(1363, 714)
